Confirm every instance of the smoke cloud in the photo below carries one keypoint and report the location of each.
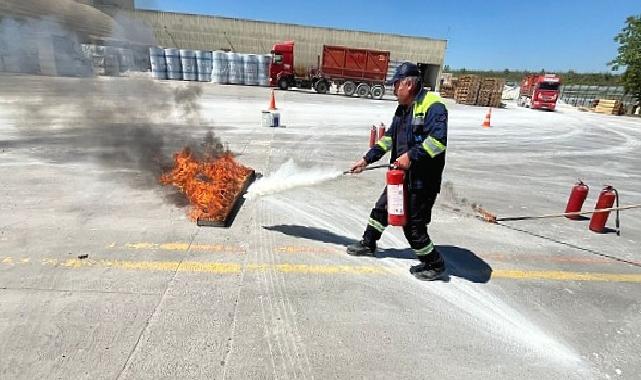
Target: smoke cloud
(132, 126)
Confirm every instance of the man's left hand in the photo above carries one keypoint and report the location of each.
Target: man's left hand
(403, 161)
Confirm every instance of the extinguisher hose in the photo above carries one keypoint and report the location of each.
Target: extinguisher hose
(616, 196)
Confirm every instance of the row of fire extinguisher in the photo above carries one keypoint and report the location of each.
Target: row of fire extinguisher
(606, 200)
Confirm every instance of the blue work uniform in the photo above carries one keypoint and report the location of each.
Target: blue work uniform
(421, 131)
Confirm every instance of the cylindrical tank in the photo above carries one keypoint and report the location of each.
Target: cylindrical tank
(126, 60)
(235, 63)
(577, 197)
(220, 68)
(263, 69)
(158, 64)
(606, 200)
(188, 62)
(204, 65)
(174, 68)
(112, 68)
(250, 63)
(396, 195)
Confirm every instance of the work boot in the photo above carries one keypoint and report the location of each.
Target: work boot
(429, 271)
(361, 249)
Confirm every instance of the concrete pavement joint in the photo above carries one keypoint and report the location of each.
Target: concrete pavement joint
(147, 322)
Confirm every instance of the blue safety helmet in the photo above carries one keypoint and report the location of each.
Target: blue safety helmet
(404, 70)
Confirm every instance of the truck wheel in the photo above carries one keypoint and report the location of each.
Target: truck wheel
(378, 91)
(282, 84)
(362, 90)
(349, 88)
(321, 87)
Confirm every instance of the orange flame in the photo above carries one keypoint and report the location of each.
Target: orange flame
(211, 185)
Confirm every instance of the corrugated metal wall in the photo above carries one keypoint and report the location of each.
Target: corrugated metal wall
(247, 36)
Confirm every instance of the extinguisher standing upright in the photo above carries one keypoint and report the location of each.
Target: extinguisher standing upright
(381, 131)
(396, 197)
(607, 197)
(577, 197)
(372, 136)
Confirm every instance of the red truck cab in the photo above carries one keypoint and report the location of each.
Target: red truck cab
(282, 61)
(540, 91)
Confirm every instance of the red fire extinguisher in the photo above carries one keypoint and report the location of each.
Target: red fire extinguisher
(607, 197)
(396, 197)
(372, 136)
(381, 131)
(577, 197)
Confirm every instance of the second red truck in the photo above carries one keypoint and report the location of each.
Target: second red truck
(539, 91)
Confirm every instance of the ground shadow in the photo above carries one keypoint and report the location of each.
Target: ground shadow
(312, 233)
(461, 262)
(574, 246)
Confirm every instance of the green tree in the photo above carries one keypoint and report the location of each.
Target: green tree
(446, 68)
(629, 56)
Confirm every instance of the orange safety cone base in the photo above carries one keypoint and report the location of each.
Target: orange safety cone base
(487, 122)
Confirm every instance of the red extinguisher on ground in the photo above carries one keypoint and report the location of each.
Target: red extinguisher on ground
(577, 197)
(381, 131)
(396, 197)
(607, 197)
(372, 137)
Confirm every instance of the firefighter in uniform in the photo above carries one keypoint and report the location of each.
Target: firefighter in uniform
(417, 139)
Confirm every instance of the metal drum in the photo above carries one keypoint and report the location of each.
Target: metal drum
(263, 69)
(235, 62)
(250, 64)
(220, 68)
(204, 65)
(158, 64)
(188, 62)
(174, 68)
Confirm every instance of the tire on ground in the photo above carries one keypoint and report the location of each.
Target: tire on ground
(282, 84)
(378, 91)
(349, 88)
(362, 90)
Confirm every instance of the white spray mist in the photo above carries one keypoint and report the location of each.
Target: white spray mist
(289, 176)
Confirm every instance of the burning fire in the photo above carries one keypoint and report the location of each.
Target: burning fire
(211, 185)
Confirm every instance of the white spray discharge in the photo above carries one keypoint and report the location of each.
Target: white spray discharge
(289, 176)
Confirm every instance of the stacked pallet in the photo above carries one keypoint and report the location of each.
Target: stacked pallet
(491, 92)
(609, 107)
(447, 91)
(467, 89)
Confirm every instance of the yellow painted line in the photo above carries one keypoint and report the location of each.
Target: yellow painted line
(565, 276)
(207, 267)
(223, 268)
(180, 246)
(295, 249)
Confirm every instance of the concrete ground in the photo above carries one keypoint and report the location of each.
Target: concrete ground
(275, 296)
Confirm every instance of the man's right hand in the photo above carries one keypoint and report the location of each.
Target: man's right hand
(358, 166)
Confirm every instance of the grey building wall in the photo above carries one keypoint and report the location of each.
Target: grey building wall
(248, 36)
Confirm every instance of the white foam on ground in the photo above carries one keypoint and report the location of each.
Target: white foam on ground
(289, 176)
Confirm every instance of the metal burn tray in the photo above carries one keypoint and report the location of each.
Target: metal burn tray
(231, 215)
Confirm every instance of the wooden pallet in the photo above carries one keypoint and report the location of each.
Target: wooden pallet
(609, 107)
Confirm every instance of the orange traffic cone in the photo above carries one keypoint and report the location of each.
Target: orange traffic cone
(272, 102)
(486, 122)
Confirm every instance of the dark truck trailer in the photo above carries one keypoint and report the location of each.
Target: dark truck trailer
(357, 71)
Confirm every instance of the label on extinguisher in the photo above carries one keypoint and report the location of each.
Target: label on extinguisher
(395, 200)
